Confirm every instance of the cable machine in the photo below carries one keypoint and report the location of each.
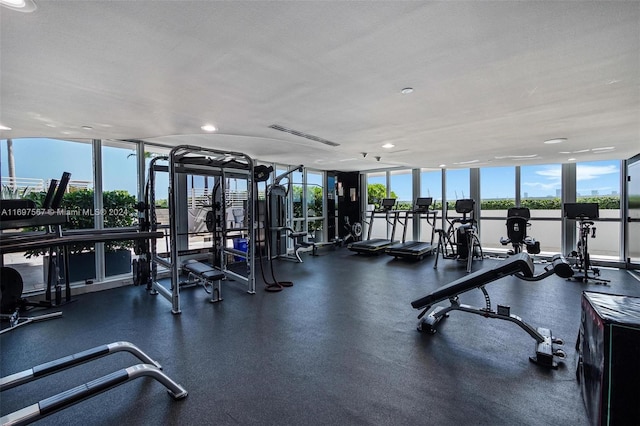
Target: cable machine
(277, 215)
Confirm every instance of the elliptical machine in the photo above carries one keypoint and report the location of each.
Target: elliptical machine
(583, 213)
(460, 241)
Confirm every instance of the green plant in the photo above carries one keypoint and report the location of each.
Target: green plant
(376, 192)
(14, 193)
(118, 211)
(314, 205)
(605, 202)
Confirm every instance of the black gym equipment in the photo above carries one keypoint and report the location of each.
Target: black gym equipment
(521, 266)
(517, 224)
(277, 228)
(378, 245)
(460, 240)
(66, 399)
(206, 275)
(354, 231)
(349, 215)
(276, 231)
(12, 304)
(584, 214)
(16, 215)
(415, 250)
(261, 173)
(57, 241)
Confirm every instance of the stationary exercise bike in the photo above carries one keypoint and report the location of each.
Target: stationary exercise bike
(583, 213)
(460, 241)
(517, 224)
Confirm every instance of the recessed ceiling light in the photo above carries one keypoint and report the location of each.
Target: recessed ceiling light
(25, 6)
(87, 128)
(4, 127)
(442, 166)
(605, 148)
(209, 128)
(407, 90)
(556, 140)
(571, 159)
(502, 157)
(388, 145)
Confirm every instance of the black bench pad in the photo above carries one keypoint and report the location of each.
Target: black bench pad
(521, 262)
(203, 270)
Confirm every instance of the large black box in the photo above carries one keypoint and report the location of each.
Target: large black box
(609, 364)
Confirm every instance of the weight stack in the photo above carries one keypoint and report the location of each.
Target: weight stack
(609, 349)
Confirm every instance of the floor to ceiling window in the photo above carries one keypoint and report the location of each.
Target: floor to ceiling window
(160, 192)
(119, 196)
(297, 185)
(315, 204)
(376, 191)
(599, 182)
(634, 213)
(401, 184)
(541, 192)
(498, 194)
(35, 163)
(457, 183)
(431, 186)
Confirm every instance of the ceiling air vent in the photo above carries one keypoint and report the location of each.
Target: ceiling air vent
(303, 135)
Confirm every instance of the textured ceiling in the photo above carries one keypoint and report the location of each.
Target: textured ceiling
(492, 80)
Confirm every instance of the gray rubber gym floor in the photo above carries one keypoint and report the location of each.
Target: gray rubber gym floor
(340, 347)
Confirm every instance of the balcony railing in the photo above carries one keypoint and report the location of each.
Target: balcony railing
(40, 185)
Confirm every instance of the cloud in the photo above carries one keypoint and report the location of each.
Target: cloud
(587, 172)
(552, 178)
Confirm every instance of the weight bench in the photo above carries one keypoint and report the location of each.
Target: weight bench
(201, 273)
(520, 266)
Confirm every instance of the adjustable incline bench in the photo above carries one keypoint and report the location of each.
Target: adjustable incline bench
(201, 273)
(522, 267)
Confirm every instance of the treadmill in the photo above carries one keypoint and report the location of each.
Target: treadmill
(377, 245)
(416, 250)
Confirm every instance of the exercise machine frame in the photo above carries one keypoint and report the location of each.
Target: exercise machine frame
(193, 160)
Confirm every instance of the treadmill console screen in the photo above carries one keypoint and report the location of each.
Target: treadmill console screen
(581, 210)
(423, 203)
(388, 203)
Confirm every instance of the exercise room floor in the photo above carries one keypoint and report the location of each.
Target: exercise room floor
(340, 347)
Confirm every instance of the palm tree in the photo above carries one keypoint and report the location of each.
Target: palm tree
(12, 164)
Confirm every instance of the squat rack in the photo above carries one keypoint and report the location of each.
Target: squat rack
(186, 160)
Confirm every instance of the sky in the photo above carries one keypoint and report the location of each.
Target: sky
(48, 158)
(602, 178)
